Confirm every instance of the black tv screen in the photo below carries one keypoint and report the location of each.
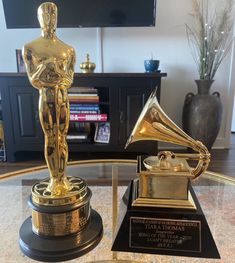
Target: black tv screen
(83, 13)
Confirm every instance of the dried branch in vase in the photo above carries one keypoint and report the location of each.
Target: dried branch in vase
(210, 37)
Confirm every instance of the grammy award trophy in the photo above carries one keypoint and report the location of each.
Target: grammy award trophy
(63, 225)
(160, 213)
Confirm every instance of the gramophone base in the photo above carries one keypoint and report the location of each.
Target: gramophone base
(164, 231)
(187, 203)
(60, 248)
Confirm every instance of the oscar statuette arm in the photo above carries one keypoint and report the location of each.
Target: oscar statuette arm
(41, 73)
(71, 64)
(32, 70)
(70, 68)
(49, 72)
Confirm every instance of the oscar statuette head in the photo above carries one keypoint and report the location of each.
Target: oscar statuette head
(47, 17)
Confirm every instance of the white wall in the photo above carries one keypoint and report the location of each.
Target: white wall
(124, 50)
(83, 40)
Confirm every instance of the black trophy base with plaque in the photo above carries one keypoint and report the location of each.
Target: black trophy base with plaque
(165, 231)
(59, 233)
(62, 248)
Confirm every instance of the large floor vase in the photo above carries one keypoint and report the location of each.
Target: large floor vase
(202, 113)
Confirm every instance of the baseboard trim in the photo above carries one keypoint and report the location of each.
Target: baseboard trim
(220, 143)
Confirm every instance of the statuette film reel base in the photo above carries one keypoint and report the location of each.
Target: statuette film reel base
(58, 232)
(74, 207)
(63, 225)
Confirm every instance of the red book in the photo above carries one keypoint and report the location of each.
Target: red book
(83, 100)
(88, 117)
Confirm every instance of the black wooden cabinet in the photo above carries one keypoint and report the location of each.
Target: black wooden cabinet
(122, 96)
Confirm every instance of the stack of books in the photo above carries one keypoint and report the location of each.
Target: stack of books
(79, 132)
(84, 105)
(83, 95)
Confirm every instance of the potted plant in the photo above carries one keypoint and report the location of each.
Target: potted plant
(210, 38)
(151, 65)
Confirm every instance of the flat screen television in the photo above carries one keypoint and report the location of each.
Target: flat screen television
(83, 13)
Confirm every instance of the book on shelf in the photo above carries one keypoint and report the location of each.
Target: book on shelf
(83, 95)
(83, 90)
(79, 136)
(84, 99)
(84, 106)
(88, 117)
(75, 95)
(85, 111)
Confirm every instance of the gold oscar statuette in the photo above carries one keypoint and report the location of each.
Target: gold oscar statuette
(161, 212)
(63, 225)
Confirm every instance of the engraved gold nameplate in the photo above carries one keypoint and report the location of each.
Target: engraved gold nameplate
(152, 234)
(60, 224)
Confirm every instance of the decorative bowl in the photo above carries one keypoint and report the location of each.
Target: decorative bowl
(151, 65)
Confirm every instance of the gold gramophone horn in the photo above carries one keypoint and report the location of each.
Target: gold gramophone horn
(154, 124)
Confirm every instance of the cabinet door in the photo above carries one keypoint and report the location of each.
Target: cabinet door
(24, 106)
(132, 101)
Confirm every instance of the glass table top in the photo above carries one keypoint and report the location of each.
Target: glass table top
(215, 192)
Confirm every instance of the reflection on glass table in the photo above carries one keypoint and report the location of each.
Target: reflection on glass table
(216, 194)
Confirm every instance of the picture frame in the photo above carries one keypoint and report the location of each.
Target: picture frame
(20, 62)
(102, 132)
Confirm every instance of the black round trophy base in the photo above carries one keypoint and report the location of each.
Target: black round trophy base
(52, 249)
